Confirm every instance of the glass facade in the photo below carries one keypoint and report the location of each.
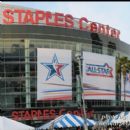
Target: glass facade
(18, 71)
(12, 72)
(18, 64)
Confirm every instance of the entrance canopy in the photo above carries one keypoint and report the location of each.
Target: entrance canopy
(9, 124)
(66, 121)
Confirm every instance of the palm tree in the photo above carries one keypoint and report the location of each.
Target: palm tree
(122, 66)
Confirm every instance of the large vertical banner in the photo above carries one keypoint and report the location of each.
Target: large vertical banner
(54, 74)
(98, 76)
(125, 87)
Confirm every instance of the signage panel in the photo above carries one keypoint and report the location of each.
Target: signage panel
(98, 76)
(26, 16)
(54, 74)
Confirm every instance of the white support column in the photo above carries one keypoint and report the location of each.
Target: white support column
(27, 74)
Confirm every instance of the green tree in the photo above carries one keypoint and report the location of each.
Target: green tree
(122, 66)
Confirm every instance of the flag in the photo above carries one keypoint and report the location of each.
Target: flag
(122, 87)
(127, 87)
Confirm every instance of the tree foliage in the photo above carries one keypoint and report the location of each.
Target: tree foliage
(122, 65)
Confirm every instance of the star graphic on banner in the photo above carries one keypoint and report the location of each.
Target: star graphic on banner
(55, 68)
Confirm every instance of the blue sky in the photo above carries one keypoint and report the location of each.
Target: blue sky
(114, 14)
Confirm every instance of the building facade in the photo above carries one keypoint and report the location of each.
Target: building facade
(18, 67)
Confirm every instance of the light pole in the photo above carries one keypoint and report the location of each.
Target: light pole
(124, 79)
(79, 59)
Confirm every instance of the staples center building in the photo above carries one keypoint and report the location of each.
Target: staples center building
(22, 31)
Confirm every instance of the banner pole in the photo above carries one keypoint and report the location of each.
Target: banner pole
(79, 58)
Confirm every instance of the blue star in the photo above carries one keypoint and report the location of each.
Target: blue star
(55, 68)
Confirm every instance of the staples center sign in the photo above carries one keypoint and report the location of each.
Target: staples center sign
(20, 16)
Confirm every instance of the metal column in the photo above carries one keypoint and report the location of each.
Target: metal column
(78, 56)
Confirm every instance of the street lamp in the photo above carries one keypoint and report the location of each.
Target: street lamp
(79, 59)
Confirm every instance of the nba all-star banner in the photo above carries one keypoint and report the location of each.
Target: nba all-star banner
(54, 74)
(98, 76)
(125, 87)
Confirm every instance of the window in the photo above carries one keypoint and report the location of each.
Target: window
(111, 48)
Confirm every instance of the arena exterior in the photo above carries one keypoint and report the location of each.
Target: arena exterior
(21, 34)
